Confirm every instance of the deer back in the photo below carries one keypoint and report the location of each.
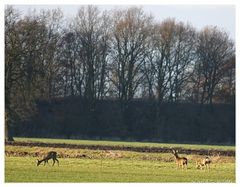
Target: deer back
(51, 154)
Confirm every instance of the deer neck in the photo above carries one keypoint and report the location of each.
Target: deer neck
(176, 156)
(44, 159)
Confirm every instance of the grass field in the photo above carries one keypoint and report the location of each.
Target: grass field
(23, 169)
(120, 143)
(130, 167)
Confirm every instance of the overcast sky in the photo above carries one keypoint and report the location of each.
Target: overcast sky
(199, 16)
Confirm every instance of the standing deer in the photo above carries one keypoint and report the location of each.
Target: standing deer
(203, 163)
(180, 161)
(50, 155)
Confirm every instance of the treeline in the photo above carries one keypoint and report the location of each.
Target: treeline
(119, 54)
(178, 122)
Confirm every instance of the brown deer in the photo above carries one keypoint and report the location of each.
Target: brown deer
(50, 155)
(180, 161)
(203, 163)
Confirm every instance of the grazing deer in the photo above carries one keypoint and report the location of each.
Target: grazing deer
(203, 163)
(50, 155)
(180, 161)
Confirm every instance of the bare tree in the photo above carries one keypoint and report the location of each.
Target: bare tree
(69, 63)
(101, 68)
(183, 56)
(53, 21)
(91, 27)
(121, 54)
(171, 54)
(32, 32)
(225, 90)
(12, 71)
(149, 72)
(214, 49)
(130, 33)
(29, 51)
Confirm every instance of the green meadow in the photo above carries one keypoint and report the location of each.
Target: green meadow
(127, 166)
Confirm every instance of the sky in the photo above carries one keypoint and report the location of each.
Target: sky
(199, 16)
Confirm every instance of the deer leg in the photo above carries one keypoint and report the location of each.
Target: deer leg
(208, 167)
(53, 162)
(57, 161)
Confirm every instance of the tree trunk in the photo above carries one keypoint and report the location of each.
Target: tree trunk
(8, 128)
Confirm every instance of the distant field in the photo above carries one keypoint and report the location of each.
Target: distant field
(119, 143)
(99, 166)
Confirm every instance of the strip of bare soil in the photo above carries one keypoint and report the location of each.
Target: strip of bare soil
(125, 148)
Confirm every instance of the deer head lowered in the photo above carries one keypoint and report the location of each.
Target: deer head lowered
(203, 163)
(50, 155)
